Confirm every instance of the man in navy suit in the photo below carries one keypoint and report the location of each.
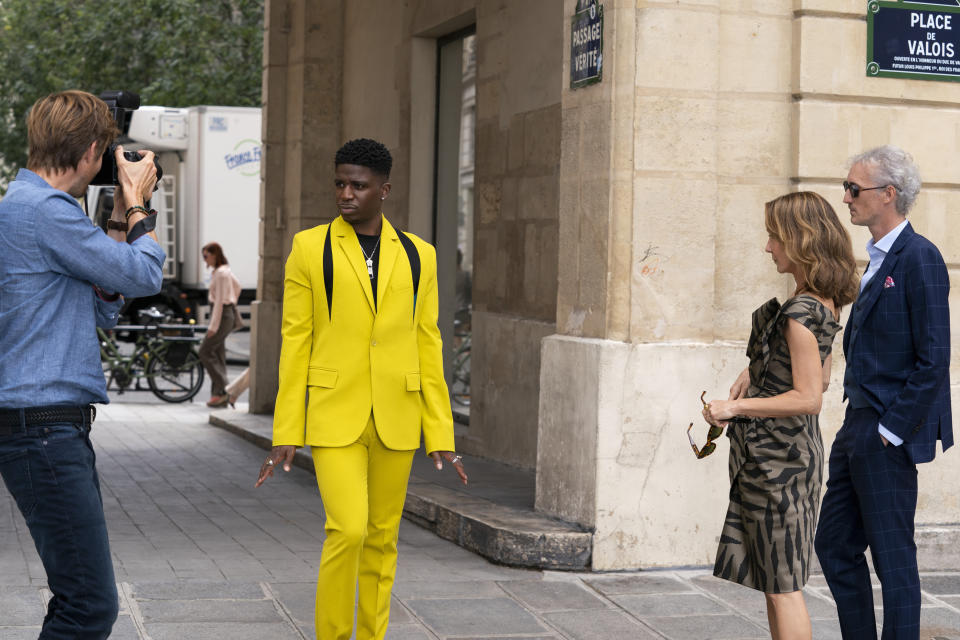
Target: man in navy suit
(897, 347)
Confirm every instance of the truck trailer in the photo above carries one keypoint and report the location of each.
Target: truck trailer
(210, 192)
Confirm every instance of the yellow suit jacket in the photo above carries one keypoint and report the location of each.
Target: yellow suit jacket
(340, 361)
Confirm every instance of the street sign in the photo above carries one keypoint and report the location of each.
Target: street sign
(586, 44)
(917, 40)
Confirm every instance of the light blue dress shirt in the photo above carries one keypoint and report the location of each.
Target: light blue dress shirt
(51, 256)
(877, 252)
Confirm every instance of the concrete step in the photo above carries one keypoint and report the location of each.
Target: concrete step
(492, 516)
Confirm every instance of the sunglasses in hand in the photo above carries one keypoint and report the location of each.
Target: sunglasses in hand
(713, 433)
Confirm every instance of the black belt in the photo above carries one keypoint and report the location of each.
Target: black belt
(12, 419)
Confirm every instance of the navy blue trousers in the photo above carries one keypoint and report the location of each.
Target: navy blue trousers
(871, 500)
(50, 472)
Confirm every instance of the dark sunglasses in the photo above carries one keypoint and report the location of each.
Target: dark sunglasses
(714, 433)
(855, 189)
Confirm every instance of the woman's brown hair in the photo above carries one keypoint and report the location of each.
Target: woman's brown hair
(814, 239)
(216, 251)
(62, 126)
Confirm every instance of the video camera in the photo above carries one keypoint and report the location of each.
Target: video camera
(122, 105)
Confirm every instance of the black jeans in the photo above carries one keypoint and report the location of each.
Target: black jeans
(50, 472)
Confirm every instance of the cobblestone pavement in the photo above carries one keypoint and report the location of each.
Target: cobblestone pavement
(200, 554)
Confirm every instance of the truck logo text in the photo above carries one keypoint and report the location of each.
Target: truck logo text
(245, 158)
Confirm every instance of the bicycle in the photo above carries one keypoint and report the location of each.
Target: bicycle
(164, 355)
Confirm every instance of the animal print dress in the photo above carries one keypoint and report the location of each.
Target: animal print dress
(776, 464)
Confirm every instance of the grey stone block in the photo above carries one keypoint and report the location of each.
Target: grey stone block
(19, 633)
(748, 602)
(407, 589)
(715, 627)
(638, 583)
(21, 606)
(399, 613)
(422, 512)
(209, 611)
(645, 606)
(599, 625)
(197, 591)
(938, 547)
(475, 616)
(508, 539)
(826, 629)
(221, 631)
(941, 584)
(939, 622)
(123, 629)
(407, 632)
(819, 607)
(953, 601)
(542, 595)
(298, 598)
(752, 604)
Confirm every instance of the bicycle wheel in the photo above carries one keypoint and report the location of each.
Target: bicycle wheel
(175, 383)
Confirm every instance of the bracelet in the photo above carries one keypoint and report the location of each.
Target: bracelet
(134, 209)
(114, 225)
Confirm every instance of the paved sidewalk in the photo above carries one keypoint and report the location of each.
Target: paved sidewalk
(199, 554)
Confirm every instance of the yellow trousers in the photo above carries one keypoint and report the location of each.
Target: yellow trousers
(363, 486)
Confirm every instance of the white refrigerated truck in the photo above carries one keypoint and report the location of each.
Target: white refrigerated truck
(210, 192)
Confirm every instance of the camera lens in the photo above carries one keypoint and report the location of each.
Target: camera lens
(133, 156)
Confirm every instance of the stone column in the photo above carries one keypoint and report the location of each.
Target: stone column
(302, 95)
(593, 302)
(665, 166)
(519, 47)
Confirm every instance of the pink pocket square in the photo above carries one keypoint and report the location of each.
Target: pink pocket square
(888, 283)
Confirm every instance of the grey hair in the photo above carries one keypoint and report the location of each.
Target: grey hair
(892, 165)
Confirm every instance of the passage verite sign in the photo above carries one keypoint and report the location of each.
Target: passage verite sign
(586, 44)
(919, 40)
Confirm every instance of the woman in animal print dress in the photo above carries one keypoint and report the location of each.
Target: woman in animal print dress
(776, 457)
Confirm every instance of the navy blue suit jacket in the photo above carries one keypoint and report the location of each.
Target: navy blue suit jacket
(897, 345)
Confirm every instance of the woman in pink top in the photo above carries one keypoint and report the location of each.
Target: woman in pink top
(224, 318)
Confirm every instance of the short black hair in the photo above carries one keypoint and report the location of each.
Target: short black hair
(365, 153)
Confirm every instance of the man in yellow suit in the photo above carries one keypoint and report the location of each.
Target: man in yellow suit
(361, 376)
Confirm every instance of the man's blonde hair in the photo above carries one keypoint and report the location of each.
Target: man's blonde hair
(62, 126)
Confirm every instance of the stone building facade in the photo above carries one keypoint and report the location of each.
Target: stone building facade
(617, 228)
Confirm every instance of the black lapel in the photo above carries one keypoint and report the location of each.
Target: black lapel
(328, 273)
(414, 258)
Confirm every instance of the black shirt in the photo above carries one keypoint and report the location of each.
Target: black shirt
(371, 244)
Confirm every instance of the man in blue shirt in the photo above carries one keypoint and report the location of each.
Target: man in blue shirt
(60, 278)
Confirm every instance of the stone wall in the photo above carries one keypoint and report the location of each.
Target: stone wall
(706, 111)
(516, 231)
(337, 70)
(301, 123)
